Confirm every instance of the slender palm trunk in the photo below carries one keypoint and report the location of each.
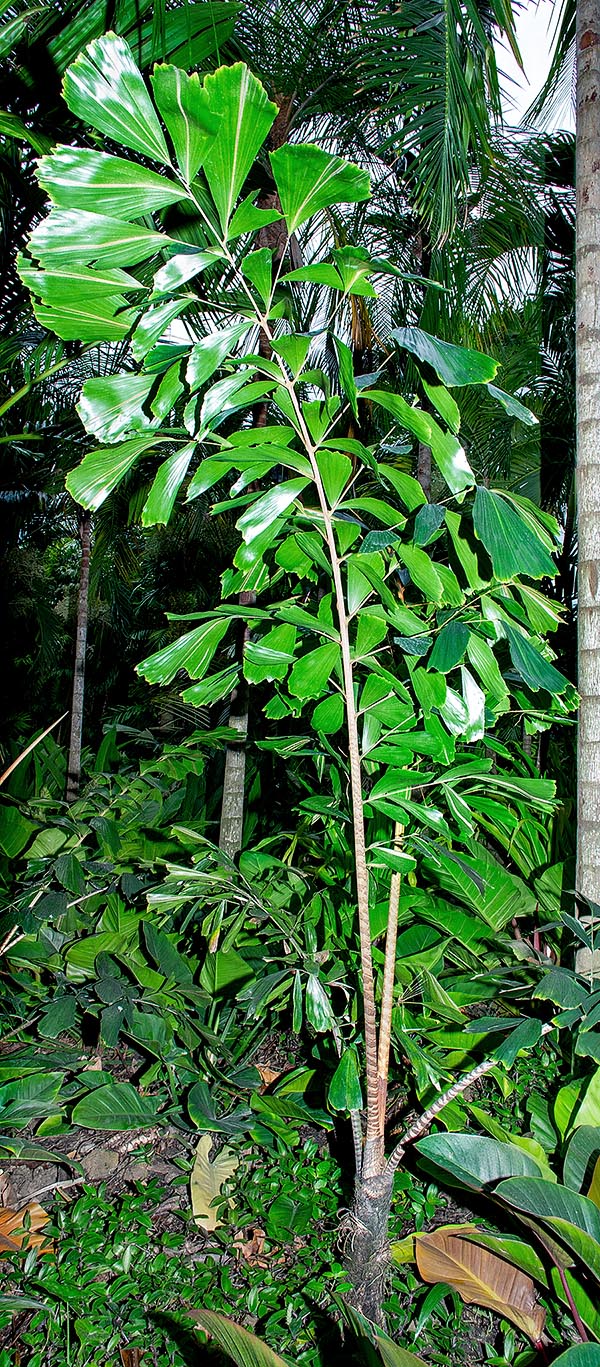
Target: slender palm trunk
(74, 764)
(588, 440)
(234, 778)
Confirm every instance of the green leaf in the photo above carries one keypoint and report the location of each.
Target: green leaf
(560, 986)
(258, 269)
(105, 89)
(449, 647)
(475, 1161)
(335, 471)
(103, 469)
(209, 353)
(192, 652)
(116, 1106)
(344, 1089)
(293, 349)
(513, 407)
(428, 521)
(181, 268)
(247, 218)
(391, 1354)
(239, 99)
(329, 715)
(531, 665)
(111, 407)
(270, 506)
(165, 954)
(237, 1343)
(189, 119)
(310, 676)
(318, 1006)
(582, 1148)
(446, 450)
(271, 656)
(580, 1355)
(524, 1037)
(548, 1201)
(309, 179)
(455, 365)
(167, 483)
(75, 178)
(70, 236)
(422, 571)
(513, 546)
(346, 370)
(223, 971)
(154, 323)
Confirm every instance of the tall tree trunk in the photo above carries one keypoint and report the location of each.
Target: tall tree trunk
(588, 441)
(231, 827)
(74, 765)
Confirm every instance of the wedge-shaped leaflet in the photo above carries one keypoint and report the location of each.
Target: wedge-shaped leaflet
(88, 320)
(270, 506)
(207, 1180)
(246, 117)
(309, 179)
(75, 178)
(181, 268)
(167, 483)
(446, 450)
(512, 544)
(58, 284)
(310, 676)
(455, 365)
(111, 407)
(344, 1089)
(100, 471)
(209, 353)
(531, 664)
(239, 1344)
(271, 656)
(154, 323)
(185, 108)
(192, 652)
(105, 89)
(481, 1278)
(67, 236)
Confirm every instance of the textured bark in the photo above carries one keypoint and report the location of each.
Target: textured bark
(234, 783)
(588, 441)
(74, 764)
(366, 1245)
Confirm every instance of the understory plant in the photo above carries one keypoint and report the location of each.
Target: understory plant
(391, 638)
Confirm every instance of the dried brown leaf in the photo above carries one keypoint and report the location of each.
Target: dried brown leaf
(480, 1277)
(12, 1234)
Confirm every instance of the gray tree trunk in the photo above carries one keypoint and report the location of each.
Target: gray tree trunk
(74, 764)
(588, 441)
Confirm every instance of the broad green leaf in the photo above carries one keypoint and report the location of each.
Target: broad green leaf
(258, 269)
(449, 647)
(513, 407)
(70, 236)
(465, 550)
(455, 365)
(111, 407)
(165, 954)
(407, 488)
(318, 1006)
(549, 1201)
(335, 471)
(116, 1106)
(524, 1037)
(355, 266)
(56, 285)
(560, 986)
(181, 268)
(580, 1355)
(154, 324)
(88, 320)
(293, 349)
(310, 676)
(192, 652)
(185, 107)
(474, 700)
(247, 115)
(344, 1089)
(483, 660)
(346, 371)
(239, 1344)
(391, 1354)
(475, 1161)
(212, 689)
(75, 178)
(167, 483)
(512, 544)
(248, 219)
(422, 571)
(428, 521)
(582, 1148)
(206, 1180)
(445, 405)
(270, 657)
(268, 507)
(329, 715)
(531, 665)
(309, 179)
(209, 353)
(101, 470)
(105, 89)
(319, 274)
(446, 450)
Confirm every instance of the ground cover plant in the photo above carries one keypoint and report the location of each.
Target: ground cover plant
(390, 639)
